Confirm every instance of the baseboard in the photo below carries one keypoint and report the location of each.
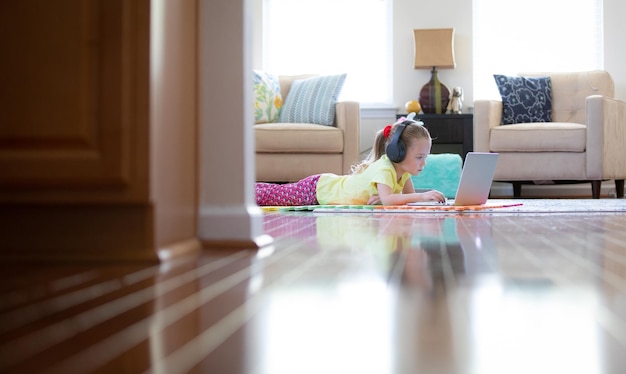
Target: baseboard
(232, 226)
(576, 190)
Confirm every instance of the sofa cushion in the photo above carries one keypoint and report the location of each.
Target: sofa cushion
(312, 100)
(525, 99)
(297, 138)
(267, 97)
(538, 137)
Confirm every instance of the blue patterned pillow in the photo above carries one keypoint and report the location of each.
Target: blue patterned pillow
(312, 100)
(525, 99)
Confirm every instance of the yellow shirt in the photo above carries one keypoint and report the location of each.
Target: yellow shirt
(356, 189)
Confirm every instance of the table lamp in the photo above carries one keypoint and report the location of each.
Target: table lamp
(434, 48)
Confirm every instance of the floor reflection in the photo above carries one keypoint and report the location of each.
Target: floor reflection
(340, 293)
(378, 306)
(445, 294)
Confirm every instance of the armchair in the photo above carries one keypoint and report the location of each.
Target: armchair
(288, 152)
(586, 140)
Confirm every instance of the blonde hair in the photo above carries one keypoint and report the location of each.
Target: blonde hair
(412, 132)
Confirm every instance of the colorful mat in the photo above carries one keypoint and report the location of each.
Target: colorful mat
(492, 206)
(388, 208)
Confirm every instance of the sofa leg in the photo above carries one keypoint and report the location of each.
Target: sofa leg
(619, 188)
(595, 189)
(517, 190)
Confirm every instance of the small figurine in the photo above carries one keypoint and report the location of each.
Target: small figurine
(455, 106)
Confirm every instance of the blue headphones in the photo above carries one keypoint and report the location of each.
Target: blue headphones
(396, 149)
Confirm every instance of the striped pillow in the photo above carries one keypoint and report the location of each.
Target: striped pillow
(312, 100)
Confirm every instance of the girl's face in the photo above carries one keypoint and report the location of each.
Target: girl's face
(415, 159)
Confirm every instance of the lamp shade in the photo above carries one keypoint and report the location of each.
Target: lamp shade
(434, 47)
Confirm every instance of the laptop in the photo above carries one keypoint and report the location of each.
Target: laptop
(475, 183)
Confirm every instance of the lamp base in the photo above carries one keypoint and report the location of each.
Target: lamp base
(434, 96)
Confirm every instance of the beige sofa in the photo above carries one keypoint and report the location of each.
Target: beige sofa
(287, 152)
(584, 142)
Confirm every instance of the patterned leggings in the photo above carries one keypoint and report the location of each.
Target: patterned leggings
(290, 194)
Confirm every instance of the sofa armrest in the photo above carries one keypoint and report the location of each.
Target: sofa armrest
(348, 119)
(606, 136)
(487, 115)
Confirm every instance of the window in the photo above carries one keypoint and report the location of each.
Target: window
(534, 36)
(332, 37)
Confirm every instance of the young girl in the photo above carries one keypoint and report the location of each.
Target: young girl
(399, 151)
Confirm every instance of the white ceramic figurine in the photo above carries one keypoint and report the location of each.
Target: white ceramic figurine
(455, 106)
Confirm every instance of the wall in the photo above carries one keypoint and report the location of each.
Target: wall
(411, 14)
(228, 215)
(614, 52)
(407, 82)
(173, 166)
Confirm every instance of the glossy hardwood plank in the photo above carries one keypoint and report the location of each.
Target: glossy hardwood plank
(340, 293)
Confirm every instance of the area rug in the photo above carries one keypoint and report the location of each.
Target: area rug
(492, 206)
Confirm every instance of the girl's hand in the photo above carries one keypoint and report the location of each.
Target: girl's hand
(387, 197)
(373, 200)
(433, 195)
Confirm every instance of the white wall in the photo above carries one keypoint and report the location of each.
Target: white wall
(412, 14)
(407, 82)
(614, 51)
(228, 214)
(421, 14)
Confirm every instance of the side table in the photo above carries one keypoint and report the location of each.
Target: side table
(451, 133)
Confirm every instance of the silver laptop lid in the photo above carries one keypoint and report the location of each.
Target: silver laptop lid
(476, 178)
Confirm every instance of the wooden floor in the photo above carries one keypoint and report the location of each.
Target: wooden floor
(340, 293)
